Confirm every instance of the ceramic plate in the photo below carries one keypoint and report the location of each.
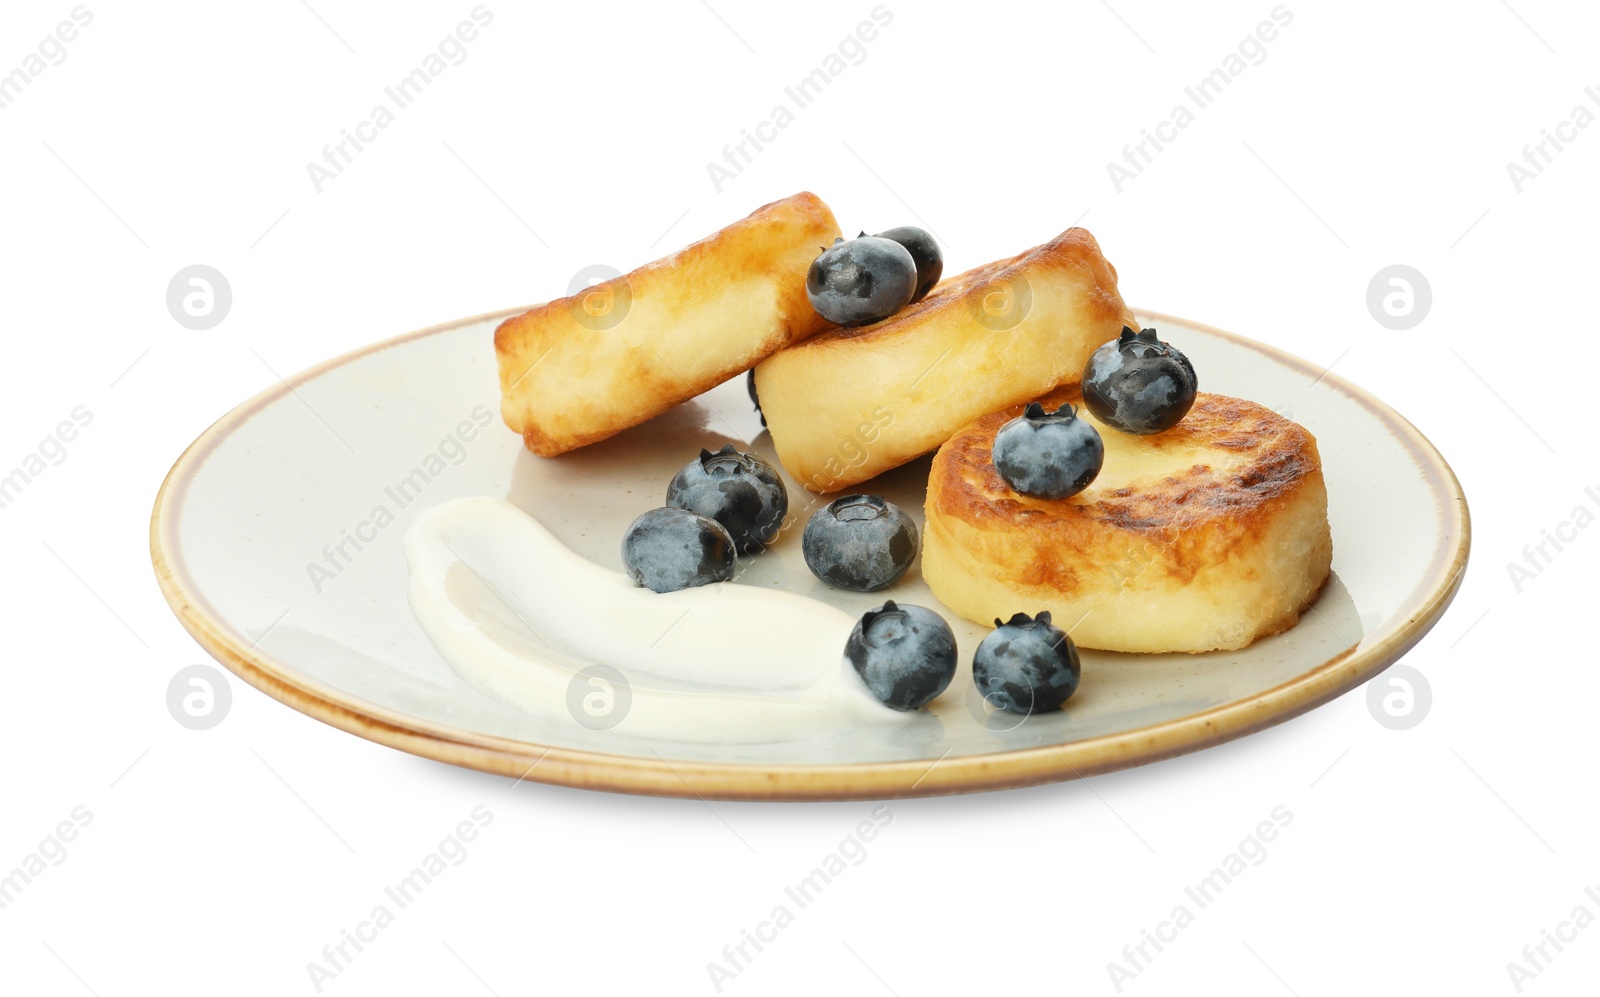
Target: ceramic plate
(252, 542)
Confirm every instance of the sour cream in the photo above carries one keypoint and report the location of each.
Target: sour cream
(525, 621)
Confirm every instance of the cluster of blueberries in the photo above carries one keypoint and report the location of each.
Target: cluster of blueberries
(869, 278)
(906, 656)
(729, 503)
(1135, 383)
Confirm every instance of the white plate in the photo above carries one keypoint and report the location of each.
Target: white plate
(267, 491)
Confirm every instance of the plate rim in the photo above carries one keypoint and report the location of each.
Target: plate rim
(585, 769)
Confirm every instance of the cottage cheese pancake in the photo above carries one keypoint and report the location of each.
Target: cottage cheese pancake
(1205, 537)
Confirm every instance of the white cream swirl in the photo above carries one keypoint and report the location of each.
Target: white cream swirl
(520, 617)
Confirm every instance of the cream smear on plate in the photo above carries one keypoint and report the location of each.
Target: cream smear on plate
(525, 621)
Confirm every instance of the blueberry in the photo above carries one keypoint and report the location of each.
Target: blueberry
(669, 549)
(906, 655)
(1138, 384)
(1048, 455)
(860, 542)
(750, 386)
(739, 490)
(1026, 666)
(860, 281)
(924, 253)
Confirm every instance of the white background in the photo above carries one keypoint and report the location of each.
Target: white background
(1372, 134)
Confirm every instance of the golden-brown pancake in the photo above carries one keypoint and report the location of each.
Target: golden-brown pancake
(586, 367)
(848, 404)
(1204, 537)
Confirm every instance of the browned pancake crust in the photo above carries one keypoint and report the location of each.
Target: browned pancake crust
(1073, 248)
(1193, 519)
(544, 351)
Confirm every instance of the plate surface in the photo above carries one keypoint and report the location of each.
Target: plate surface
(277, 540)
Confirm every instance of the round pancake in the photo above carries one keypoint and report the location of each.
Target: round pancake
(1205, 537)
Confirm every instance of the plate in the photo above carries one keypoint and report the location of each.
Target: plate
(277, 540)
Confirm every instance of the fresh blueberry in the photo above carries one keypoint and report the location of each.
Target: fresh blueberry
(860, 542)
(1048, 455)
(924, 253)
(1138, 384)
(669, 549)
(750, 386)
(1026, 666)
(906, 655)
(739, 490)
(860, 281)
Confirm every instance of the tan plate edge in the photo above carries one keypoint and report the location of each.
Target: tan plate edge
(876, 780)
